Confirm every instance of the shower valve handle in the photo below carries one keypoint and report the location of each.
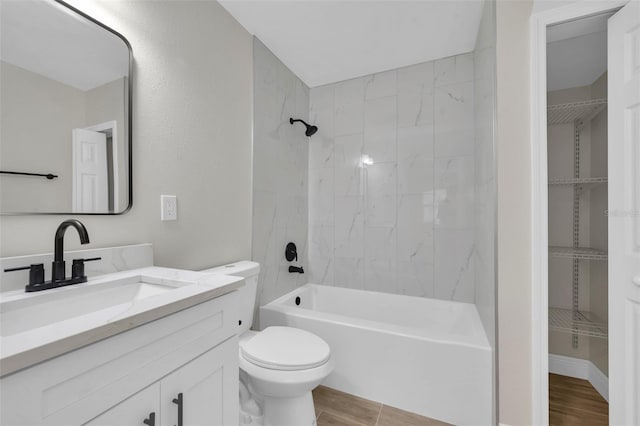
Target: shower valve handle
(291, 252)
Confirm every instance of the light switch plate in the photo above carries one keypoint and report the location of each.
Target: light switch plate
(168, 207)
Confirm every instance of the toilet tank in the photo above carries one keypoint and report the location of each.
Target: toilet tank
(247, 293)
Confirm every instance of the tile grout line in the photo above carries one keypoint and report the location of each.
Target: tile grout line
(340, 415)
(379, 412)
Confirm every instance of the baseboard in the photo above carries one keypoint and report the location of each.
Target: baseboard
(599, 381)
(568, 366)
(580, 369)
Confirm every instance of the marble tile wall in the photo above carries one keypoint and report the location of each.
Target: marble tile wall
(280, 173)
(391, 181)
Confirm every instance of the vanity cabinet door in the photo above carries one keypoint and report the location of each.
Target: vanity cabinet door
(204, 391)
(135, 410)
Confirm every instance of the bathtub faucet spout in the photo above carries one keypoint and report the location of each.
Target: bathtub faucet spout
(297, 269)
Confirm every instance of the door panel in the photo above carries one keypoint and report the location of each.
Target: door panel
(90, 172)
(208, 386)
(624, 215)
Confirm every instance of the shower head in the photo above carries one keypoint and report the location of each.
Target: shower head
(311, 130)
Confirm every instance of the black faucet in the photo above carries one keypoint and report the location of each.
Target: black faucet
(291, 254)
(58, 267)
(58, 276)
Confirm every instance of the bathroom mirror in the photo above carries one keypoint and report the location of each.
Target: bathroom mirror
(65, 96)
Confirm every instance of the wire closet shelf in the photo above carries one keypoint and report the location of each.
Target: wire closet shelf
(569, 113)
(577, 322)
(580, 253)
(586, 181)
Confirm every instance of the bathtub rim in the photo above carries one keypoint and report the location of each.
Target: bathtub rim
(477, 341)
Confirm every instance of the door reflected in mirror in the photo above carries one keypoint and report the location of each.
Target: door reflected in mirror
(65, 92)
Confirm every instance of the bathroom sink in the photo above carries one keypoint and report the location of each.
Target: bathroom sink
(30, 313)
(37, 326)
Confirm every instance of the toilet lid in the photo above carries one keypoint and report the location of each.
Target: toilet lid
(285, 348)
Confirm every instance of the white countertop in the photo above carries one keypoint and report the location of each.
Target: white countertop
(22, 348)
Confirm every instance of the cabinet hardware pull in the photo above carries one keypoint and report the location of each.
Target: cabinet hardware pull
(179, 402)
(151, 421)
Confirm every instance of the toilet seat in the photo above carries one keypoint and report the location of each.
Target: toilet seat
(285, 349)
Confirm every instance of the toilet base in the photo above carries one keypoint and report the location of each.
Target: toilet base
(247, 419)
(298, 411)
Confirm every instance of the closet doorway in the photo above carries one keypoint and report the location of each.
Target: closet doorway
(577, 221)
(586, 201)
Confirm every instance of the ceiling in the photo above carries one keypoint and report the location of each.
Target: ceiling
(577, 52)
(324, 41)
(50, 40)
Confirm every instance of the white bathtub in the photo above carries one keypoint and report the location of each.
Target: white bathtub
(426, 356)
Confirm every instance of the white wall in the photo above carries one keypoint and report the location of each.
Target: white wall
(391, 181)
(280, 162)
(514, 212)
(192, 138)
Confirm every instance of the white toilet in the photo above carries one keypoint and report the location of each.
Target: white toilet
(279, 366)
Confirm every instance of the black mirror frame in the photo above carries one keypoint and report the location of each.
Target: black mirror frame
(129, 126)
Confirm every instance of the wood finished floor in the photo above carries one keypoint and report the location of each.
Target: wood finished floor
(335, 408)
(574, 402)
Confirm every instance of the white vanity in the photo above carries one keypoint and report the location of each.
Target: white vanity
(149, 345)
(135, 344)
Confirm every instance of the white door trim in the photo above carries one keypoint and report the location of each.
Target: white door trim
(623, 220)
(539, 182)
(112, 127)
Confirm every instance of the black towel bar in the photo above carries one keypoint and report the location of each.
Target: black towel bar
(47, 175)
